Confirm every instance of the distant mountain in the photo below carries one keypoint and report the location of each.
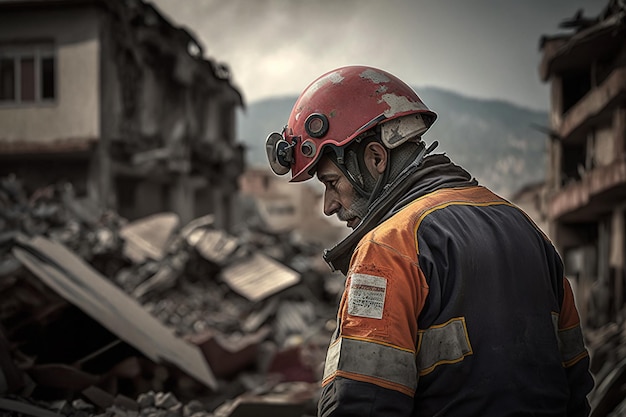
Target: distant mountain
(494, 140)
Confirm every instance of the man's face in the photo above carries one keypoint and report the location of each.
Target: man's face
(340, 197)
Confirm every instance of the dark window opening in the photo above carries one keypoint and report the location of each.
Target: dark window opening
(27, 79)
(27, 74)
(574, 159)
(575, 85)
(7, 79)
(47, 78)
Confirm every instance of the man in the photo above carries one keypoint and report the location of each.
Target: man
(455, 302)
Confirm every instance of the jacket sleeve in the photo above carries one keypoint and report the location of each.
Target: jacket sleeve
(574, 354)
(370, 367)
(346, 397)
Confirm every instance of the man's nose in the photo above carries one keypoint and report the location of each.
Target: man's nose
(331, 205)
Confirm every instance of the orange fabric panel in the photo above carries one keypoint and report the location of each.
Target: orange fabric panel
(569, 314)
(404, 299)
(390, 251)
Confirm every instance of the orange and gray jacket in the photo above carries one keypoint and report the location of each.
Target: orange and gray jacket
(456, 305)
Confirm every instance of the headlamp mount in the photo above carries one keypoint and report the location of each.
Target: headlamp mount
(279, 153)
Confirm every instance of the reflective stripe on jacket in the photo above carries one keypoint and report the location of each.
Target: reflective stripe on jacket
(456, 305)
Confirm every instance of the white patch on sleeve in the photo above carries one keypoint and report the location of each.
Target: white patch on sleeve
(366, 296)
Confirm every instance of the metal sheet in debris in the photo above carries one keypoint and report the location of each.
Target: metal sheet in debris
(214, 245)
(259, 276)
(148, 237)
(83, 286)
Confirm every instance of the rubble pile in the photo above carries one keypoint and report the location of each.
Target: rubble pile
(100, 316)
(607, 345)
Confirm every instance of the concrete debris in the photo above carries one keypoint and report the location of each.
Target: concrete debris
(104, 317)
(258, 276)
(608, 364)
(147, 237)
(283, 400)
(81, 285)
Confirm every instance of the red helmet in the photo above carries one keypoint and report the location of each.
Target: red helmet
(336, 108)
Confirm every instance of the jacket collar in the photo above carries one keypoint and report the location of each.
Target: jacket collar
(420, 178)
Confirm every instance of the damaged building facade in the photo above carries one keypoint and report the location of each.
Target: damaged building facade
(586, 183)
(124, 287)
(112, 98)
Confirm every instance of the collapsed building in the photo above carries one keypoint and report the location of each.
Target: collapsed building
(113, 98)
(585, 191)
(125, 290)
(102, 315)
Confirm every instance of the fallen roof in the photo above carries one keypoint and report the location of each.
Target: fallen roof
(83, 286)
(572, 51)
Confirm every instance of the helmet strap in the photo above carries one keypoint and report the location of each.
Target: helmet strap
(338, 157)
(382, 181)
(351, 162)
(397, 161)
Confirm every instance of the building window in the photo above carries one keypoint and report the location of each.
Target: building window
(27, 74)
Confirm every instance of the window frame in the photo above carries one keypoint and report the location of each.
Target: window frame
(38, 52)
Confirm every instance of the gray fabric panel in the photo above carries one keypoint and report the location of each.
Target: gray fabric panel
(372, 359)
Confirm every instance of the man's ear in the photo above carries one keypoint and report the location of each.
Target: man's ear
(376, 158)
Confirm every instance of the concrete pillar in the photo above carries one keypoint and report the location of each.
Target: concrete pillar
(617, 254)
(619, 133)
(218, 207)
(181, 198)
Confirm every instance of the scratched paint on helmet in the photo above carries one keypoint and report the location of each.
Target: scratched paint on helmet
(333, 77)
(353, 98)
(399, 104)
(375, 76)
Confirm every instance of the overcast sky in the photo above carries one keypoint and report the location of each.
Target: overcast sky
(479, 48)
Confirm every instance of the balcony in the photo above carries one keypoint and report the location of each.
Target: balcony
(594, 106)
(597, 193)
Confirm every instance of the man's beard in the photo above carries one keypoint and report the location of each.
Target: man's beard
(358, 208)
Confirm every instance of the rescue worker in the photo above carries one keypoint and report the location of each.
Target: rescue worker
(455, 302)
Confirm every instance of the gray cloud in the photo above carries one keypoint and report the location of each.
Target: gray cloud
(481, 48)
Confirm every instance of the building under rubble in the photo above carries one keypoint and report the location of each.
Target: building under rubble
(113, 98)
(586, 182)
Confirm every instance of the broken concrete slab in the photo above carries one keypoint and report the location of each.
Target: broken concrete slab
(80, 284)
(259, 276)
(148, 237)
